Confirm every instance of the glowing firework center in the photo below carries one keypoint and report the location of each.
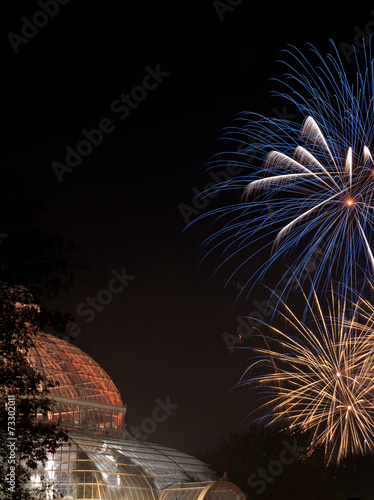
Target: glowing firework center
(102, 460)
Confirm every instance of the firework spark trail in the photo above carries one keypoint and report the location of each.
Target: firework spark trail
(319, 377)
(312, 196)
(315, 188)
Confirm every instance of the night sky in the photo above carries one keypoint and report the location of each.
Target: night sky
(162, 336)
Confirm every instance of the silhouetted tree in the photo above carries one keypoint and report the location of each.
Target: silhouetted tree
(35, 265)
(271, 465)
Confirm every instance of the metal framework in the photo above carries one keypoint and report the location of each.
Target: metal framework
(219, 490)
(102, 460)
(85, 397)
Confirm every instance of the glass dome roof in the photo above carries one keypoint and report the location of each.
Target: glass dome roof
(124, 469)
(77, 374)
(101, 459)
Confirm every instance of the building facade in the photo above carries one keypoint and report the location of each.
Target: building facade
(102, 460)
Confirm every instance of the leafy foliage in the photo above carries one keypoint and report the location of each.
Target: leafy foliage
(33, 439)
(35, 266)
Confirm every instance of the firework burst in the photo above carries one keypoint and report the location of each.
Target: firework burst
(311, 202)
(318, 377)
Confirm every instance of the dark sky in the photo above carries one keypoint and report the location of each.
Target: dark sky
(162, 336)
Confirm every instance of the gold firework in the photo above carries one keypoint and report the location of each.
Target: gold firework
(318, 377)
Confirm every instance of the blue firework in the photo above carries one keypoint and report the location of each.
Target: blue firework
(307, 192)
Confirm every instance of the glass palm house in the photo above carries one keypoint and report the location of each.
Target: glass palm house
(102, 460)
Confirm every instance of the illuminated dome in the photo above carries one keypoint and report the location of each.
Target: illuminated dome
(85, 396)
(77, 374)
(102, 460)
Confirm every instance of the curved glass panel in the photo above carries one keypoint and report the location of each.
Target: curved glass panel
(118, 468)
(101, 460)
(78, 375)
(221, 490)
(224, 493)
